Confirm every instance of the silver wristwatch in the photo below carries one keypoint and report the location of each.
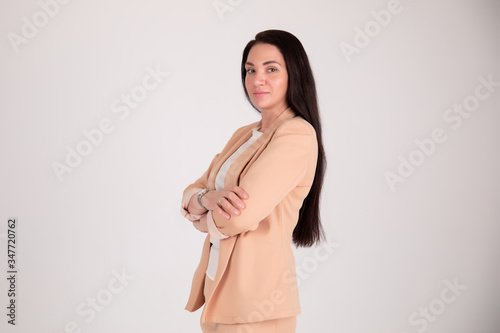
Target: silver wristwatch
(200, 195)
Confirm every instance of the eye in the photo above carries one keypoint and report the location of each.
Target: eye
(272, 69)
(250, 71)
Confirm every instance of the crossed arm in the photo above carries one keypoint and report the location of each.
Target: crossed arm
(278, 170)
(223, 202)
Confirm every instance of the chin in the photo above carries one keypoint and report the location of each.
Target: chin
(260, 105)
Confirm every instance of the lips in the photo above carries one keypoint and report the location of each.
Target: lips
(260, 93)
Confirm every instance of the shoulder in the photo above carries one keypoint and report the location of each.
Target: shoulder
(298, 126)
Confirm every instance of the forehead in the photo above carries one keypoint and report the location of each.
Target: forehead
(260, 53)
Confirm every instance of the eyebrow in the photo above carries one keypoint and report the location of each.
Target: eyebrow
(265, 63)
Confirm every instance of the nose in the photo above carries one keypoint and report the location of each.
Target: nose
(260, 79)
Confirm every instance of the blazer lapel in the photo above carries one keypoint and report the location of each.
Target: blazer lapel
(246, 158)
(228, 150)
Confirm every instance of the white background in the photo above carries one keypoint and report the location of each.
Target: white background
(118, 210)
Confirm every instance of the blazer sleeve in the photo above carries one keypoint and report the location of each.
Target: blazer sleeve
(192, 189)
(281, 167)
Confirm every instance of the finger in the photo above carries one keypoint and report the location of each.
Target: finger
(228, 206)
(240, 192)
(221, 212)
(235, 200)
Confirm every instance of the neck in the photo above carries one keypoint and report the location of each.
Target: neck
(268, 117)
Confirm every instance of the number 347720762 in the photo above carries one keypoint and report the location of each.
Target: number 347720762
(11, 244)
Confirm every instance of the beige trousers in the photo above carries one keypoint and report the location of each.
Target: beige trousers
(281, 325)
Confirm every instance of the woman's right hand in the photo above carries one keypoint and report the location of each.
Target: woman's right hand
(225, 202)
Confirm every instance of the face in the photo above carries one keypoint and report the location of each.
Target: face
(266, 80)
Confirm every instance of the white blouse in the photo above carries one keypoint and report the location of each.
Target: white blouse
(213, 260)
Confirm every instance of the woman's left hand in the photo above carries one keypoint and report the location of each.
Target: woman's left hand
(201, 225)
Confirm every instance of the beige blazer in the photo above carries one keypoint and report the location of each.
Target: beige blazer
(256, 279)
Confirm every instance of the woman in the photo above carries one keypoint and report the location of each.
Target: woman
(258, 194)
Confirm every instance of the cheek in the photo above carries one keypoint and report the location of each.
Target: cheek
(248, 84)
(283, 85)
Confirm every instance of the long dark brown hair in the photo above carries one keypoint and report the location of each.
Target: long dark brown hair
(301, 98)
